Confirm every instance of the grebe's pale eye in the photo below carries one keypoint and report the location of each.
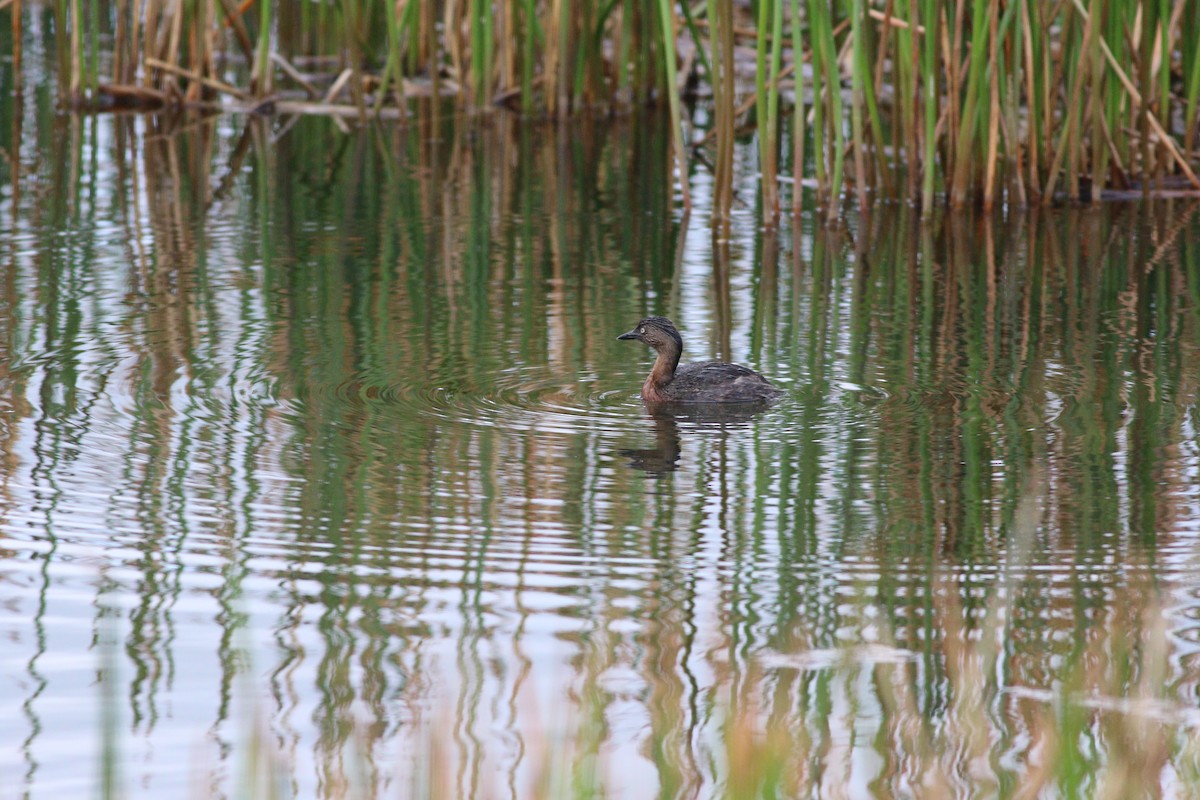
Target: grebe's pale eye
(642, 330)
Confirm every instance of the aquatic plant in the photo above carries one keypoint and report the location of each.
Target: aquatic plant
(981, 103)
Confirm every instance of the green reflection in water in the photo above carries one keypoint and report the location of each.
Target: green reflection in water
(330, 431)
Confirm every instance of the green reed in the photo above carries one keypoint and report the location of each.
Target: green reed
(721, 61)
(668, 41)
(770, 17)
(829, 131)
(799, 124)
(1190, 32)
(262, 55)
(979, 102)
(857, 96)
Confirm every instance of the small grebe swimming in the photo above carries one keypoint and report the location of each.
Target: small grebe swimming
(701, 382)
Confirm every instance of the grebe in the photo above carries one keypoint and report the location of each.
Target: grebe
(701, 382)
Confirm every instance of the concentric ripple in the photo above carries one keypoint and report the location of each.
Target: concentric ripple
(524, 398)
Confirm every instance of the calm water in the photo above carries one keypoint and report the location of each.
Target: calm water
(320, 444)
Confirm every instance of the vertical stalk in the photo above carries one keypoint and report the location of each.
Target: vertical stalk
(76, 24)
(564, 58)
(498, 19)
(833, 96)
(868, 83)
(721, 110)
(993, 135)
(61, 26)
(953, 67)
(1116, 102)
(1143, 55)
(583, 54)
(969, 124)
(1015, 62)
(929, 96)
(857, 96)
(193, 25)
(905, 71)
(1076, 96)
(16, 46)
(489, 54)
(818, 79)
(1034, 78)
(1099, 156)
(527, 56)
(1068, 140)
(1190, 32)
(262, 55)
(121, 51)
(432, 53)
(624, 89)
(668, 41)
(93, 67)
(1164, 69)
(425, 41)
(475, 12)
(771, 167)
(798, 114)
(482, 44)
(150, 38)
(1075, 115)
(394, 19)
(729, 112)
(351, 41)
(450, 39)
(760, 105)
(694, 32)
(637, 44)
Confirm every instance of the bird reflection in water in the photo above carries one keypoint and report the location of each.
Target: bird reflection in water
(699, 419)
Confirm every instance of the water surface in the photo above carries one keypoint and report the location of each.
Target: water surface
(320, 444)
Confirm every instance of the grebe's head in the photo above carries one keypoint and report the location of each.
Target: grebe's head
(657, 332)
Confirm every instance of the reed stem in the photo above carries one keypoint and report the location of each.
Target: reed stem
(262, 55)
(770, 167)
(16, 45)
(857, 100)
(672, 88)
(798, 121)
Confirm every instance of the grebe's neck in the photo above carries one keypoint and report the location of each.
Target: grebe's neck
(661, 373)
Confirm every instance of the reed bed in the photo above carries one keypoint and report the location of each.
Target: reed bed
(970, 102)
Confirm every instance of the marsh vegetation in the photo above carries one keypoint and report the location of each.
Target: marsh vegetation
(970, 102)
(323, 475)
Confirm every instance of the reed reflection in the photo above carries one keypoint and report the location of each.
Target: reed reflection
(364, 441)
